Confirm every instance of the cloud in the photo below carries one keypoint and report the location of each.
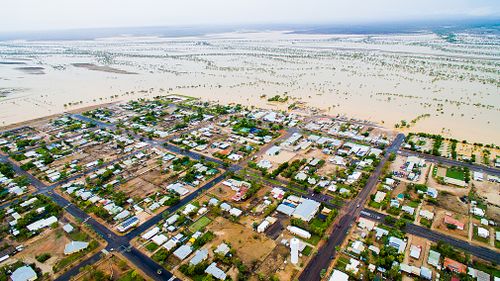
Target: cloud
(64, 14)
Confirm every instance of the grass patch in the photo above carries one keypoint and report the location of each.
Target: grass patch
(152, 246)
(314, 240)
(434, 171)
(374, 204)
(43, 257)
(199, 224)
(425, 222)
(307, 251)
(413, 204)
(455, 173)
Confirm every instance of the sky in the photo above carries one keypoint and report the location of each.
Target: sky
(33, 15)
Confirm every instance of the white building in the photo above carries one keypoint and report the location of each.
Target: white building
(294, 250)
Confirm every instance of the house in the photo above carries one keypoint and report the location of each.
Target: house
(379, 196)
(264, 164)
(432, 192)
(39, 224)
(483, 232)
(454, 266)
(301, 176)
(357, 247)
(225, 207)
(222, 249)
(172, 219)
(273, 150)
(379, 232)
(353, 266)
(477, 212)
(148, 235)
(235, 212)
(408, 209)
(478, 176)
(189, 209)
(183, 251)
(426, 214)
(75, 246)
(306, 210)
(338, 275)
(434, 258)
(425, 273)
(374, 249)
(127, 224)
(454, 181)
(452, 221)
(277, 193)
(68, 228)
(216, 272)
(415, 251)
(199, 256)
(178, 188)
(159, 239)
(354, 176)
(479, 275)
(24, 273)
(397, 243)
(394, 203)
(285, 209)
(366, 224)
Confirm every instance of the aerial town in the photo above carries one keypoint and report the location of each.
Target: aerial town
(180, 188)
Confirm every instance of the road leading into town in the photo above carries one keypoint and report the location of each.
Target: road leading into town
(347, 216)
(434, 236)
(450, 162)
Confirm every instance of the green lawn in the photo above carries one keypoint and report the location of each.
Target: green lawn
(455, 173)
(199, 224)
(314, 240)
(307, 251)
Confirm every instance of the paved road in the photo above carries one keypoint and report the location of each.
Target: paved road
(347, 216)
(478, 251)
(440, 159)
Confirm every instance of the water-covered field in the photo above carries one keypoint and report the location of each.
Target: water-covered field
(447, 84)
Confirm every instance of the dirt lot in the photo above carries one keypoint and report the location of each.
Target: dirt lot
(276, 160)
(52, 242)
(493, 212)
(113, 266)
(274, 264)
(249, 245)
(490, 191)
(138, 188)
(452, 203)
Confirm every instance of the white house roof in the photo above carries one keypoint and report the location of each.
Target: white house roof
(39, 224)
(199, 256)
(216, 272)
(75, 246)
(183, 251)
(339, 276)
(23, 273)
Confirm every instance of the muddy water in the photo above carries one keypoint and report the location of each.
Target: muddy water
(384, 79)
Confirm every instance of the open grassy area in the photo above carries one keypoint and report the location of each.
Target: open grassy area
(455, 173)
(199, 224)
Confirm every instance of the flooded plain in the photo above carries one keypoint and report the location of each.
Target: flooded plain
(418, 82)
